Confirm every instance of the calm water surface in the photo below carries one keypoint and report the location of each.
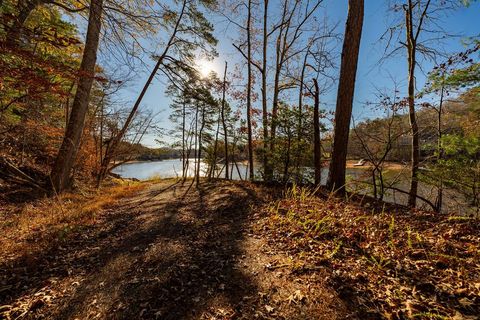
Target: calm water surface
(172, 168)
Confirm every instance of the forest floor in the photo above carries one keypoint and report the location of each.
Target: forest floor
(232, 250)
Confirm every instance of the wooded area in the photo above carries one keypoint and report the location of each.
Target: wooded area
(243, 90)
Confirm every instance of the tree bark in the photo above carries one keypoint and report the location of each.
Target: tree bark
(224, 123)
(249, 92)
(184, 152)
(60, 175)
(411, 50)
(317, 153)
(346, 90)
(298, 153)
(439, 201)
(199, 154)
(267, 168)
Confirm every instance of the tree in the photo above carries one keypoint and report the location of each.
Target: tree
(249, 92)
(458, 71)
(461, 166)
(379, 136)
(61, 171)
(346, 89)
(263, 71)
(224, 122)
(420, 17)
(290, 29)
(317, 153)
(189, 31)
(412, 38)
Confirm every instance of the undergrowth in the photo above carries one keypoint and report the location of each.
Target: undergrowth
(387, 263)
(27, 228)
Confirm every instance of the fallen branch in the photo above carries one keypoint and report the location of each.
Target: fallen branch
(19, 175)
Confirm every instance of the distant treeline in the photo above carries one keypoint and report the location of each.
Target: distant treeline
(457, 117)
(139, 152)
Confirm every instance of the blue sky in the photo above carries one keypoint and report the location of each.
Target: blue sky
(463, 22)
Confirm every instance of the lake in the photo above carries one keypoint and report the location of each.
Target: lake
(172, 168)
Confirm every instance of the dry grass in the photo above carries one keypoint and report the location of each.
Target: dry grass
(386, 262)
(27, 228)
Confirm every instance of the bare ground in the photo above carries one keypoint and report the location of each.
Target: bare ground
(168, 253)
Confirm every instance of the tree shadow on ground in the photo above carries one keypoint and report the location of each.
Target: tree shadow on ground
(171, 257)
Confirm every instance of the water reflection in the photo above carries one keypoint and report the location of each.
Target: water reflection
(172, 168)
(356, 178)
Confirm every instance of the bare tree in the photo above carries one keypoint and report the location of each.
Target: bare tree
(423, 34)
(224, 123)
(192, 39)
(249, 92)
(289, 32)
(378, 137)
(317, 147)
(263, 70)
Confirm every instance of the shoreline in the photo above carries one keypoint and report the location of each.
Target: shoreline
(387, 165)
(350, 164)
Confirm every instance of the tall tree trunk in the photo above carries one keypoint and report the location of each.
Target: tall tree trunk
(199, 158)
(267, 167)
(439, 201)
(212, 170)
(195, 162)
(249, 93)
(346, 90)
(224, 123)
(300, 110)
(317, 148)
(411, 49)
(184, 152)
(65, 160)
(279, 54)
(276, 88)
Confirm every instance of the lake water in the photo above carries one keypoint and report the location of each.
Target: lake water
(172, 168)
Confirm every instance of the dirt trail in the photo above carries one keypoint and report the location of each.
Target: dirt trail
(170, 254)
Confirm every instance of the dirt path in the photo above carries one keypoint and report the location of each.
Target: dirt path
(169, 254)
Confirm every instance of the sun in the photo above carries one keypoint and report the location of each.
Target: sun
(205, 67)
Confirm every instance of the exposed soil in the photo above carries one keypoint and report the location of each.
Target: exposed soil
(168, 253)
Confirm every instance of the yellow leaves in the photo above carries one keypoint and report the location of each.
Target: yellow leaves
(459, 316)
(296, 297)
(269, 309)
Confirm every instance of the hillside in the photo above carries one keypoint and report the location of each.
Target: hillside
(233, 250)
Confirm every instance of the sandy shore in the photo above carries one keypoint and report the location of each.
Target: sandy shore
(387, 165)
